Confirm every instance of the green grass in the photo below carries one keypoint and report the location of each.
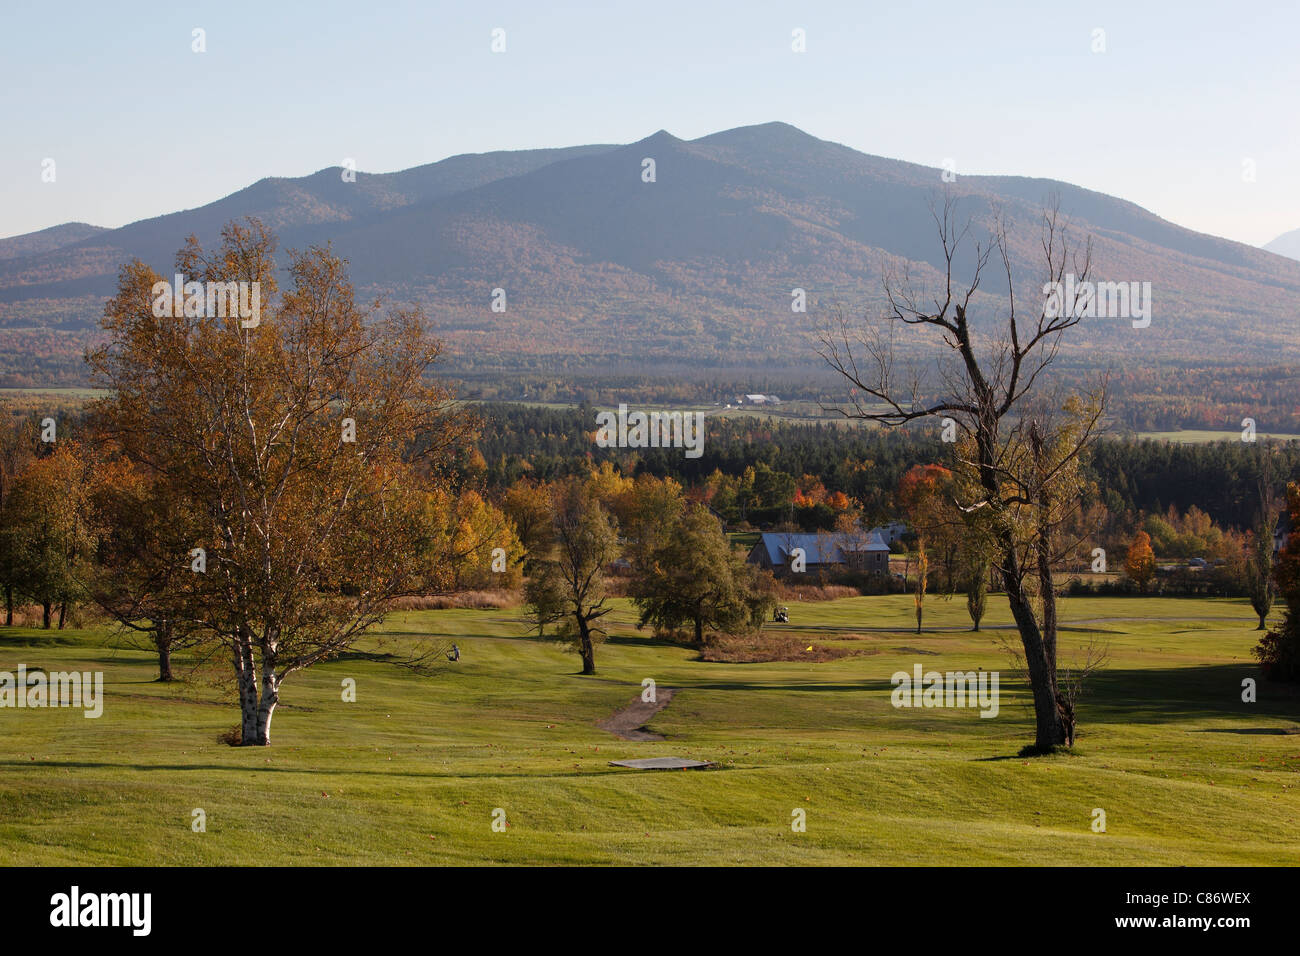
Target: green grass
(1193, 436)
(411, 772)
(61, 391)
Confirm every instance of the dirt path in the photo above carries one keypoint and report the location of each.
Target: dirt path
(629, 722)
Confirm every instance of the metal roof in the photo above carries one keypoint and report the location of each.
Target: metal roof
(823, 548)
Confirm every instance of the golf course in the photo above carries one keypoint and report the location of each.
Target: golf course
(418, 768)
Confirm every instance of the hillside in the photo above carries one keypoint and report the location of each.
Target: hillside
(696, 267)
(46, 240)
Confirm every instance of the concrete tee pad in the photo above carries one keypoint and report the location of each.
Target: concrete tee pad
(661, 763)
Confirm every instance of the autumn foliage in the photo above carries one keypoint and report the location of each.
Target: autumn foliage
(1140, 564)
(1279, 650)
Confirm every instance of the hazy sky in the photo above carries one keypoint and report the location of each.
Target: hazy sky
(138, 124)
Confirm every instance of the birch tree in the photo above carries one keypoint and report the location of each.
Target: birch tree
(305, 437)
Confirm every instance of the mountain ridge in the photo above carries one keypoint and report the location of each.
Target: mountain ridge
(594, 259)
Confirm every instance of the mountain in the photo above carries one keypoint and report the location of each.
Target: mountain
(696, 267)
(56, 237)
(1287, 244)
(306, 208)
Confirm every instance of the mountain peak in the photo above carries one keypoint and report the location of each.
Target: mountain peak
(773, 133)
(47, 240)
(1287, 244)
(659, 138)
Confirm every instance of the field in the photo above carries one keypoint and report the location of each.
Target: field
(411, 773)
(792, 411)
(70, 392)
(1192, 436)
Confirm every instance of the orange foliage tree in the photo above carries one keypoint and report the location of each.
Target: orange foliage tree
(1140, 564)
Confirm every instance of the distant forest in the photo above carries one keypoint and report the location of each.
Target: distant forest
(1154, 396)
(1130, 476)
(1150, 398)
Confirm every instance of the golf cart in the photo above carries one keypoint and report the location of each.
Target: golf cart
(781, 614)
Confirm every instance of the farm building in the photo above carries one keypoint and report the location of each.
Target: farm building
(891, 532)
(825, 551)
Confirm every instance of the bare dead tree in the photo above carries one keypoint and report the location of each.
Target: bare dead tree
(1019, 452)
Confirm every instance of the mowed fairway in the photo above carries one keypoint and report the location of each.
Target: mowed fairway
(412, 771)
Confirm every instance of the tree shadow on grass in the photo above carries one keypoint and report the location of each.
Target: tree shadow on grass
(53, 639)
(1207, 692)
(787, 687)
(333, 771)
(1029, 751)
(1175, 695)
(373, 657)
(644, 640)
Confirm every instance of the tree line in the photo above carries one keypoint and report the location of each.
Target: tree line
(1128, 475)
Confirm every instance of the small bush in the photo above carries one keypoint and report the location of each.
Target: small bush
(480, 600)
(814, 592)
(1279, 653)
(32, 615)
(233, 737)
(618, 585)
(675, 635)
(1211, 582)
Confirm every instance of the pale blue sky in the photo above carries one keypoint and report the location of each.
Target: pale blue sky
(139, 125)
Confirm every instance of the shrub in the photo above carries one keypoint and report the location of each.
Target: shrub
(481, 600)
(788, 591)
(1279, 653)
